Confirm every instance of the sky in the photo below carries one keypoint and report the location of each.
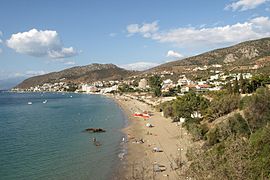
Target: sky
(38, 36)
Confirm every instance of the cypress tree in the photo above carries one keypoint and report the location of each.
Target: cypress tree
(235, 86)
(229, 87)
(242, 84)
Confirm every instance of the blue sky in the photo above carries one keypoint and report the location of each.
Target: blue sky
(40, 36)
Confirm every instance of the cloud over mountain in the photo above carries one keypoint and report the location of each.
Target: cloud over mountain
(174, 54)
(40, 43)
(70, 63)
(139, 66)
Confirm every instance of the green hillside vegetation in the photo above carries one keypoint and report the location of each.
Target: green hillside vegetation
(238, 147)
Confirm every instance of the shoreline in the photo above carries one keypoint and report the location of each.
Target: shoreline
(140, 160)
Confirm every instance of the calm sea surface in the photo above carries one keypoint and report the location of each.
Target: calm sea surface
(46, 140)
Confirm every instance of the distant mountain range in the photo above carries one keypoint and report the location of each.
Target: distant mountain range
(6, 84)
(248, 53)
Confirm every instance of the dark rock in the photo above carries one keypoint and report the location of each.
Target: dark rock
(95, 130)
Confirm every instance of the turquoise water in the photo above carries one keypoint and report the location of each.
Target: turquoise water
(46, 140)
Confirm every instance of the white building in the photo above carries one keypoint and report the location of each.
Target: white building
(182, 81)
(109, 89)
(217, 65)
(202, 82)
(88, 88)
(214, 77)
(184, 89)
(167, 84)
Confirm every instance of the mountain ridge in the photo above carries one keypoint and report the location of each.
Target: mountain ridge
(79, 74)
(241, 53)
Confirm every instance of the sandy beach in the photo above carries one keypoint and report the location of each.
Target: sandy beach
(141, 161)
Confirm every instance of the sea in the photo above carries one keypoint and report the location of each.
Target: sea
(42, 136)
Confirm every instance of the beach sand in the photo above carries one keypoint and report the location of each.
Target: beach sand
(165, 135)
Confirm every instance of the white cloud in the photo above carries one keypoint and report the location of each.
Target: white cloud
(139, 66)
(214, 36)
(70, 63)
(29, 73)
(34, 73)
(261, 24)
(1, 34)
(40, 43)
(243, 5)
(174, 54)
(62, 53)
(146, 29)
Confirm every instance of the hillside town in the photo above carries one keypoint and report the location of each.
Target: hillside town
(140, 84)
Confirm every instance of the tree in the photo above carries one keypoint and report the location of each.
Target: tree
(257, 81)
(229, 87)
(235, 86)
(257, 109)
(125, 88)
(221, 105)
(185, 105)
(155, 84)
(242, 83)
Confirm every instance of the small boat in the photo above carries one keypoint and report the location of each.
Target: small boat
(29, 103)
(70, 96)
(45, 101)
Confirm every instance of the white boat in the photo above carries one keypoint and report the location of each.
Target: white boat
(45, 101)
(29, 103)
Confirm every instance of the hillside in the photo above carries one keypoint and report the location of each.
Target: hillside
(85, 74)
(240, 57)
(245, 53)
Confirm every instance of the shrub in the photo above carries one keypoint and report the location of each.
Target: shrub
(213, 137)
(257, 111)
(238, 125)
(222, 105)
